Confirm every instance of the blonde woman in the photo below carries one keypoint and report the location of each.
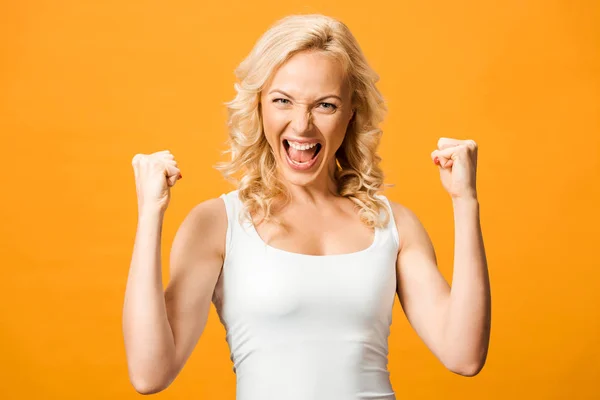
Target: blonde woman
(303, 260)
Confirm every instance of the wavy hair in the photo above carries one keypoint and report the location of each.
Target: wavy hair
(358, 175)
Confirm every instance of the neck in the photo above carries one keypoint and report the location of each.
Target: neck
(320, 190)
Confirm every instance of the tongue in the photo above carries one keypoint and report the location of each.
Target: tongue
(301, 155)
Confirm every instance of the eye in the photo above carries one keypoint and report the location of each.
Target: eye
(328, 106)
(281, 101)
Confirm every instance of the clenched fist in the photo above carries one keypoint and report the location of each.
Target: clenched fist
(154, 175)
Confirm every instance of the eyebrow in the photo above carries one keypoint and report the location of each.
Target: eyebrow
(319, 99)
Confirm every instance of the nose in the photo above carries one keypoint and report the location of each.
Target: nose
(301, 120)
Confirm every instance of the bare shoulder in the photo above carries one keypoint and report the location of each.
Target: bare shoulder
(211, 210)
(206, 223)
(410, 228)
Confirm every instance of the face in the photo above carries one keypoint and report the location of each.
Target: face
(306, 108)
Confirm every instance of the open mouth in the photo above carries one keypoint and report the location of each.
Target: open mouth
(301, 154)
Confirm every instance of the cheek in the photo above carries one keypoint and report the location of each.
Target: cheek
(334, 130)
(271, 126)
(273, 119)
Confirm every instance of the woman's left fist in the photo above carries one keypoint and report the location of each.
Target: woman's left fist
(457, 161)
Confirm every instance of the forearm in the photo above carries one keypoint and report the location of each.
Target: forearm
(467, 328)
(147, 333)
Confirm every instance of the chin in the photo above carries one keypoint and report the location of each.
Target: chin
(294, 179)
(298, 178)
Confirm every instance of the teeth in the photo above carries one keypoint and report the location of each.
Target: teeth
(299, 146)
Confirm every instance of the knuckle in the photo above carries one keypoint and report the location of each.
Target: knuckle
(135, 159)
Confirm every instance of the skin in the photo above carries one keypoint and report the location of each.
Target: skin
(452, 322)
(304, 105)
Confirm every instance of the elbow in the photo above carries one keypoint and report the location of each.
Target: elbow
(150, 384)
(469, 370)
(468, 367)
(149, 376)
(146, 387)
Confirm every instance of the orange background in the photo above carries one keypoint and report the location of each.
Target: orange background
(86, 85)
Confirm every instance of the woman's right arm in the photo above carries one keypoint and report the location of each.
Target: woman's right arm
(161, 328)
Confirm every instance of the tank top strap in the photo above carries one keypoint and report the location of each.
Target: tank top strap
(232, 208)
(238, 230)
(229, 209)
(390, 230)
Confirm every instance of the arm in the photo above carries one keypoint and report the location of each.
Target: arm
(161, 328)
(454, 322)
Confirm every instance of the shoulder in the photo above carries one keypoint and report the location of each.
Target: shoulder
(205, 226)
(208, 212)
(410, 227)
(402, 213)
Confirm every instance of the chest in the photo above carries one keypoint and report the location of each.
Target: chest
(264, 288)
(326, 233)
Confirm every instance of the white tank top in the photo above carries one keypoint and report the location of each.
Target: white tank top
(305, 327)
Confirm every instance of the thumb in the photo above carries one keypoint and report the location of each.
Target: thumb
(173, 174)
(174, 178)
(444, 158)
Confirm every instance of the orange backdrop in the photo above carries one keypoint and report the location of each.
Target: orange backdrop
(86, 85)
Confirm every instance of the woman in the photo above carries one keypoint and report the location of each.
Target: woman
(304, 258)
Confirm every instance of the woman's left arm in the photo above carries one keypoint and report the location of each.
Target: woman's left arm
(468, 316)
(455, 321)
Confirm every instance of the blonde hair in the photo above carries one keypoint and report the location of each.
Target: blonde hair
(358, 175)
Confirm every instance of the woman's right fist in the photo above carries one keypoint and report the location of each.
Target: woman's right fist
(154, 175)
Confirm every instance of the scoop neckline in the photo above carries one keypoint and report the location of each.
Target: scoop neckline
(319, 256)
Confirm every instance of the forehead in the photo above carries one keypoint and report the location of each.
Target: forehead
(310, 74)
